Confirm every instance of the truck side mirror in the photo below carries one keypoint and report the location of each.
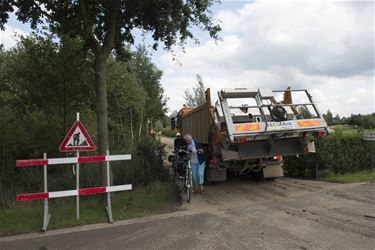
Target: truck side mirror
(173, 123)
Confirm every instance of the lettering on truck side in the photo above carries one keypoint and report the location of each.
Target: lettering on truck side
(284, 125)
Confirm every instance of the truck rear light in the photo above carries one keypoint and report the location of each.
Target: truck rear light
(320, 134)
(277, 157)
(240, 140)
(212, 161)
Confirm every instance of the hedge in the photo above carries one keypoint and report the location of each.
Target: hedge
(335, 154)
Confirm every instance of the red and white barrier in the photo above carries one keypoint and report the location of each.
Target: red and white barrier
(75, 192)
(67, 193)
(72, 160)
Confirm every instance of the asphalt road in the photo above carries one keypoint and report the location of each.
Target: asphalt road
(239, 214)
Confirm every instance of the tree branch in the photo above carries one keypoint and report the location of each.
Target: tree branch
(112, 14)
(88, 34)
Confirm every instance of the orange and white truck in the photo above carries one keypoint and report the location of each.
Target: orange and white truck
(248, 132)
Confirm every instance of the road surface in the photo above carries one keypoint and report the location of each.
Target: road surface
(282, 214)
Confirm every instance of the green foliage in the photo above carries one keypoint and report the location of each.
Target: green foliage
(359, 120)
(336, 154)
(328, 117)
(146, 165)
(43, 84)
(197, 96)
(149, 78)
(126, 101)
(106, 26)
(158, 125)
(111, 22)
(305, 112)
(362, 121)
(26, 217)
(169, 132)
(336, 120)
(361, 176)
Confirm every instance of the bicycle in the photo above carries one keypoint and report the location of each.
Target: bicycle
(188, 176)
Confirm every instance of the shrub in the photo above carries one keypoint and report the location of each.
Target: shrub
(336, 154)
(168, 132)
(146, 165)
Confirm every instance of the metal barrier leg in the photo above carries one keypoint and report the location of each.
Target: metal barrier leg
(109, 205)
(77, 186)
(46, 216)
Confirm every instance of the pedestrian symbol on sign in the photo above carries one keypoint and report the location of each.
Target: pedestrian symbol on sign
(77, 139)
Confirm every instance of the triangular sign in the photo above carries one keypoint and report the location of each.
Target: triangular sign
(77, 139)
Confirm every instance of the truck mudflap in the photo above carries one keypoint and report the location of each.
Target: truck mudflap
(273, 171)
(215, 174)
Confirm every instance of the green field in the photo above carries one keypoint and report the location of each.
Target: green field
(362, 176)
(142, 201)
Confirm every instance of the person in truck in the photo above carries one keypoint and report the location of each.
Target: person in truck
(197, 161)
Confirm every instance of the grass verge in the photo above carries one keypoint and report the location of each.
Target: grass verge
(361, 176)
(159, 197)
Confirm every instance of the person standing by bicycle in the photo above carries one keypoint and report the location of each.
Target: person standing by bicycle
(198, 162)
(179, 143)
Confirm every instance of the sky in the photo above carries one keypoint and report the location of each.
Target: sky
(326, 47)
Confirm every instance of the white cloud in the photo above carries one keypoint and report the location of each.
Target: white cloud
(327, 47)
(8, 36)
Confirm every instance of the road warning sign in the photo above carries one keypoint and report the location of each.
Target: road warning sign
(77, 139)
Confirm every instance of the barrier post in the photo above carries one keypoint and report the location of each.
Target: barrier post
(77, 187)
(109, 205)
(77, 180)
(47, 215)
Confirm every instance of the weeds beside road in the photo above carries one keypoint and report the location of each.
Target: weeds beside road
(158, 197)
(239, 214)
(362, 176)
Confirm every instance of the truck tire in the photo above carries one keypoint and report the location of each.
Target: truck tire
(271, 178)
(258, 176)
(279, 113)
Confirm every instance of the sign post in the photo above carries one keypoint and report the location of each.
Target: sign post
(370, 137)
(77, 180)
(77, 187)
(46, 216)
(109, 205)
(77, 140)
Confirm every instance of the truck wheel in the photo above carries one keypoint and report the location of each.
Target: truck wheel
(257, 175)
(271, 178)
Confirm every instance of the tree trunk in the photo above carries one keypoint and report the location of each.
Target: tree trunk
(131, 126)
(140, 125)
(100, 69)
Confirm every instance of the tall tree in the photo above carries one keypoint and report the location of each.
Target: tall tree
(337, 119)
(304, 112)
(105, 25)
(149, 78)
(197, 96)
(328, 117)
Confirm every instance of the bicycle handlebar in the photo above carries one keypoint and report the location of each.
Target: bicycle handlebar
(180, 150)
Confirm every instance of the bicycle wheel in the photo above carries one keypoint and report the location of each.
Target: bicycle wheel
(188, 182)
(188, 193)
(175, 169)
